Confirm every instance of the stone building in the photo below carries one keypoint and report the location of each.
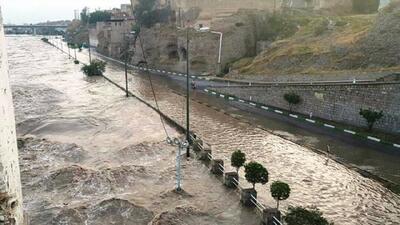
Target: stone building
(10, 183)
(111, 35)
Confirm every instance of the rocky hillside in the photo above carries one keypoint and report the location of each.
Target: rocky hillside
(315, 44)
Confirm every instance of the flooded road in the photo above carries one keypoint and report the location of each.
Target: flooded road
(91, 156)
(94, 114)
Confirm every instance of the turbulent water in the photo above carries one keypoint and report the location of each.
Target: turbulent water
(91, 156)
(108, 147)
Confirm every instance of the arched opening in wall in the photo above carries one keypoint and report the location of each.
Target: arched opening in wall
(173, 55)
(14, 204)
(183, 53)
(172, 49)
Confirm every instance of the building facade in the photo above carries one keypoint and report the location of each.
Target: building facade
(11, 212)
(111, 36)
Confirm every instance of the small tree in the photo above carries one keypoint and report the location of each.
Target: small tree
(238, 159)
(371, 117)
(255, 173)
(280, 191)
(45, 40)
(96, 68)
(302, 216)
(293, 99)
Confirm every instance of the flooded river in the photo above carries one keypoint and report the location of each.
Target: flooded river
(55, 101)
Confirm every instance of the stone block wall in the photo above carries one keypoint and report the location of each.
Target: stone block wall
(341, 103)
(10, 182)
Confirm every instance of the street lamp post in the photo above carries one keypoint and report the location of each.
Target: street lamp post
(187, 93)
(127, 37)
(181, 145)
(88, 29)
(69, 51)
(75, 51)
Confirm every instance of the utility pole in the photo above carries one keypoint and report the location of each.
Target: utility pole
(75, 51)
(187, 94)
(88, 29)
(69, 51)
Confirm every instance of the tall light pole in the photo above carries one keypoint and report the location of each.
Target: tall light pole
(187, 94)
(69, 51)
(88, 29)
(127, 37)
(181, 145)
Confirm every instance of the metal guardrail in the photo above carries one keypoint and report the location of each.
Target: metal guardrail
(260, 206)
(276, 221)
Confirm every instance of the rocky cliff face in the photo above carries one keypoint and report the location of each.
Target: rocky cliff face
(381, 45)
(166, 47)
(331, 45)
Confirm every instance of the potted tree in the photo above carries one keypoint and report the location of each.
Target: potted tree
(302, 216)
(255, 173)
(238, 159)
(280, 191)
(95, 68)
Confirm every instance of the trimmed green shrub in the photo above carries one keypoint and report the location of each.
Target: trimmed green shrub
(293, 99)
(238, 159)
(280, 191)
(96, 68)
(303, 216)
(371, 117)
(45, 40)
(255, 173)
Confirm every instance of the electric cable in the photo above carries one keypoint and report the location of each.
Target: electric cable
(151, 85)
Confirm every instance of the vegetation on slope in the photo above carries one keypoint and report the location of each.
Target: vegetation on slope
(309, 44)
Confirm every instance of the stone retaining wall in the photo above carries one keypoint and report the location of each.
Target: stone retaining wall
(10, 182)
(341, 103)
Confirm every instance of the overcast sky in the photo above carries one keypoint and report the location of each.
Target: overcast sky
(34, 11)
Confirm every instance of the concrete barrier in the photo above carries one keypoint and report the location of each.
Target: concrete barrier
(246, 196)
(197, 145)
(217, 166)
(230, 179)
(270, 215)
(205, 153)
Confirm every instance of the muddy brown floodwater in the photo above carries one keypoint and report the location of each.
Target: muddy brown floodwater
(91, 156)
(114, 146)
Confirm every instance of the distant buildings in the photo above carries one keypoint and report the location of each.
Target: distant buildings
(77, 14)
(111, 36)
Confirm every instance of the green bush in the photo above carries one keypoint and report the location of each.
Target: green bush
(238, 159)
(280, 191)
(279, 26)
(365, 6)
(293, 99)
(147, 13)
(303, 216)
(371, 117)
(321, 27)
(96, 68)
(45, 40)
(76, 61)
(255, 173)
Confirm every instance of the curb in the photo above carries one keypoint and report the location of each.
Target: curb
(299, 117)
(255, 104)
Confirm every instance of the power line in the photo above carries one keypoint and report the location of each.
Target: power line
(151, 84)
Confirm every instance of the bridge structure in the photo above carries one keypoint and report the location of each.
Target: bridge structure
(35, 27)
